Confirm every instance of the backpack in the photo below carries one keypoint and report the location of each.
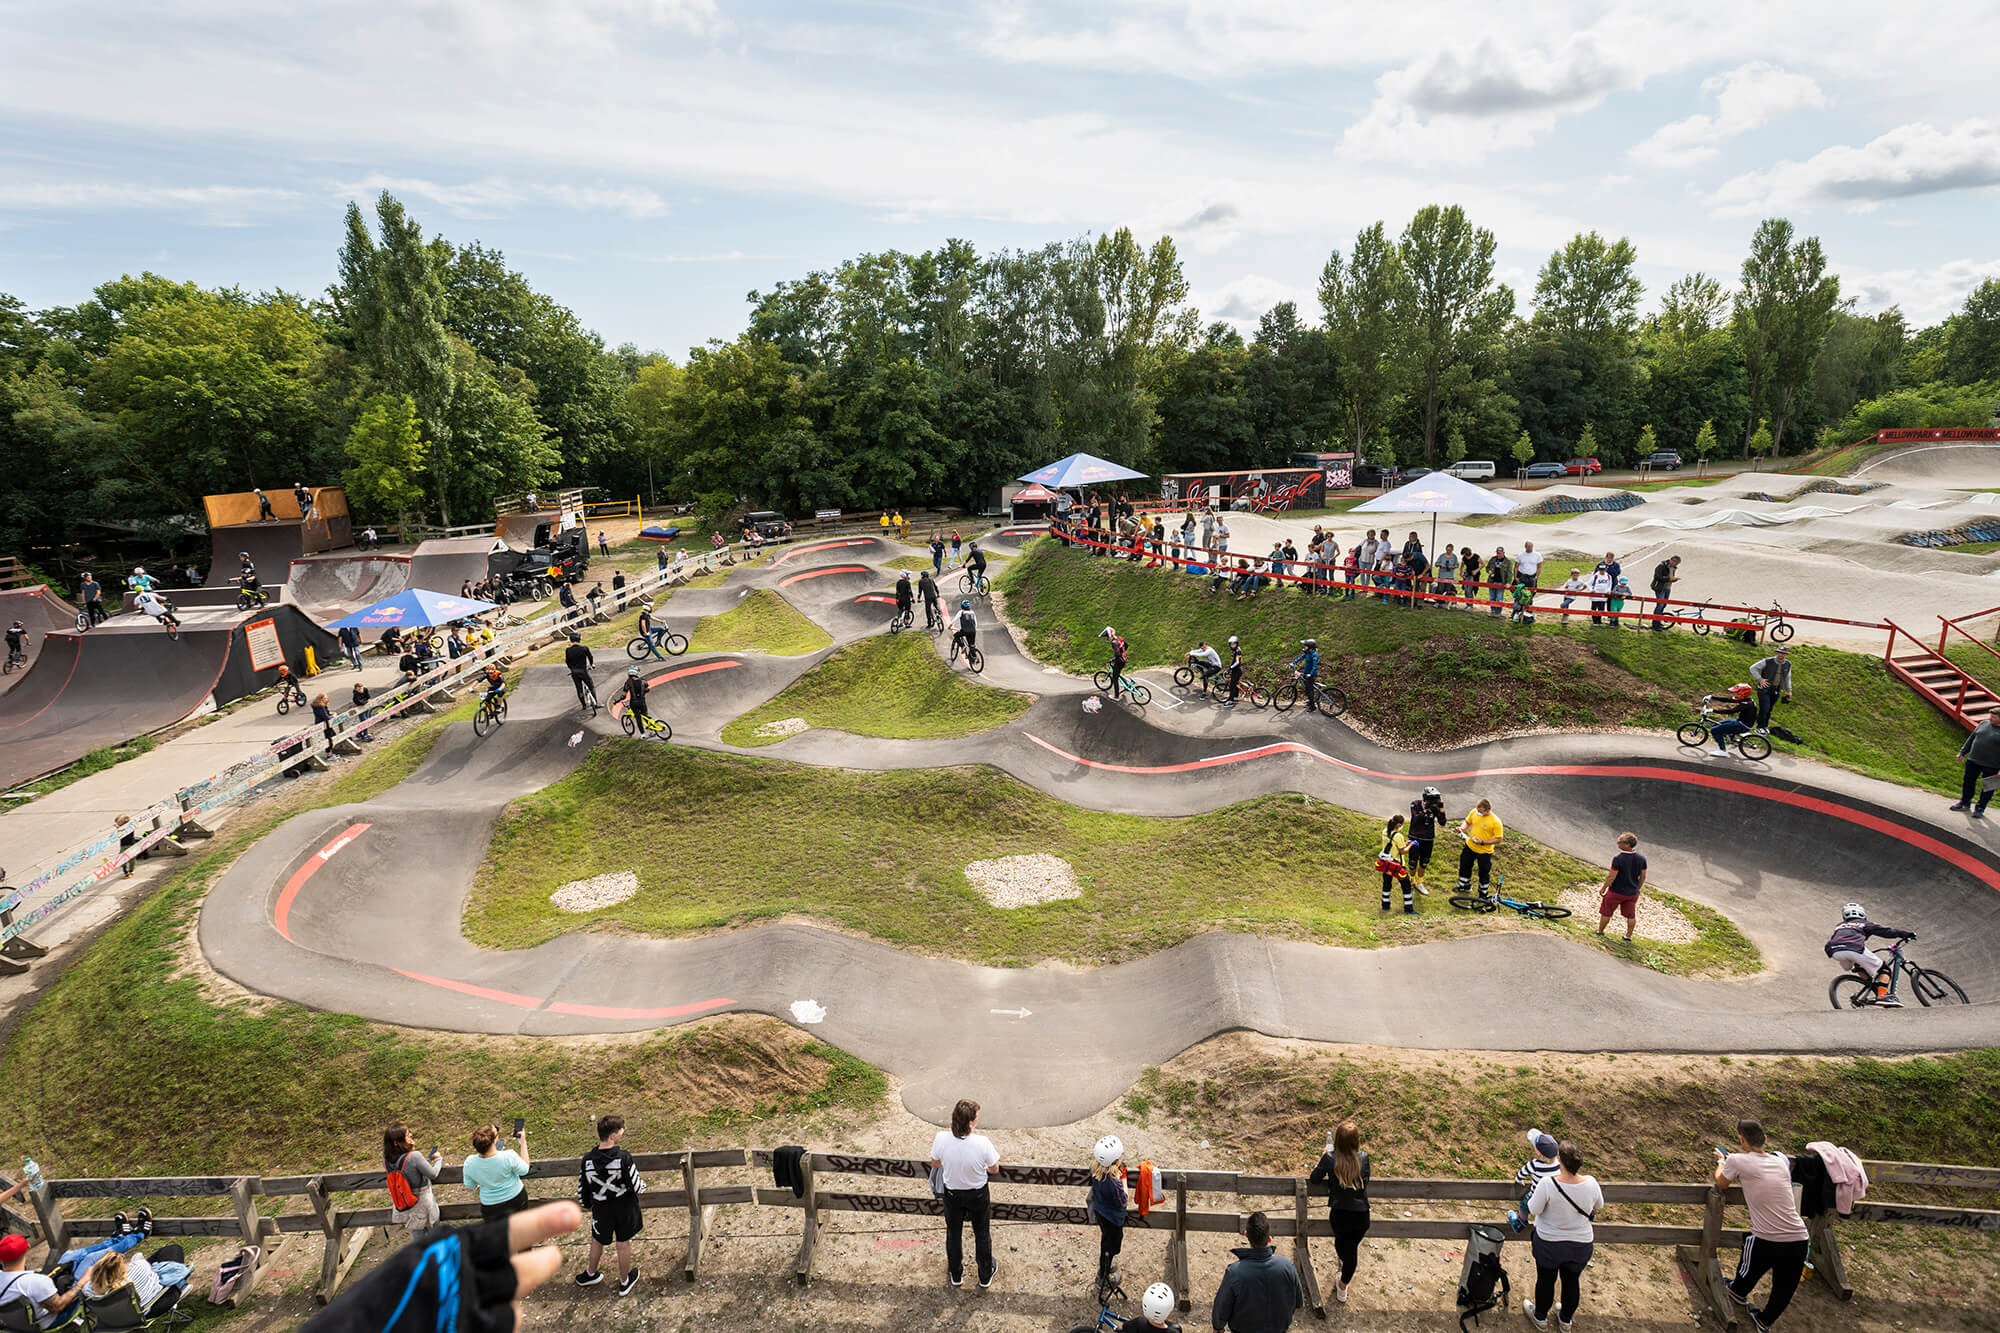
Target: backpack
(230, 1276)
(1481, 1275)
(401, 1196)
(1147, 1191)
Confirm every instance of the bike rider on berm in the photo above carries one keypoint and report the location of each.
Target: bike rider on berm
(1117, 657)
(976, 561)
(578, 659)
(927, 588)
(17, 641)
(1307, 665)
(905, 598)
(965, 627)
(1849, 948)
(634, 695)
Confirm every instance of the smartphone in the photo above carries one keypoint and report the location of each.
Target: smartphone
(436, 1148)
(520, 1125)
(1724, 1151)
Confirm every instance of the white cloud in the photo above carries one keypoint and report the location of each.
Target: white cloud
(1911, 160)
(1245, 300)
(1926, 295)
(222, 204)
(494, 195)
(1746, 97)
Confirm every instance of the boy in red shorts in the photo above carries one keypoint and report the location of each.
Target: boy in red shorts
(1622, 884)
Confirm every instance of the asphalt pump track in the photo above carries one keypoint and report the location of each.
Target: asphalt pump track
(1777, 846)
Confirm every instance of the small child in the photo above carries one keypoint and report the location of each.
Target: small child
(1524, 602)
(1154, 1307)
(1543, 1163)
(1107, 1205)
(608, 1184)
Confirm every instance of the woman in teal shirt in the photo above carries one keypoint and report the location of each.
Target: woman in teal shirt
(497, 1175)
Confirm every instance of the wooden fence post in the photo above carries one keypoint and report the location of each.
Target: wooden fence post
(242, 1194)
(329, 1226)
(695, 1221)
(1177, 1255)
(1826, 1258)
(803, 1264)
(1703, 1269)
(1302, 1255)
(55, 1231)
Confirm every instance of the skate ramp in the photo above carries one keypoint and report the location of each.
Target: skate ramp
(519, 531)
(42, 612)
(445, 564)
(830, 584)
(1953, 466)
(330, 587)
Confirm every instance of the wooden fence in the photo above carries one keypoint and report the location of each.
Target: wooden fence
(1297, 1213)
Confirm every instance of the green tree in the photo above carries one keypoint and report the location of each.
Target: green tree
(1972, 348)
(1451, 312)
(1861, 358)
(1704, 441)
(1586, 443)
(1783, 312)
(1361, 299)
(385, 457)
(1524, 449)
(1587, 289)
(1648, 443)
(1761, 439)
(1454, 446)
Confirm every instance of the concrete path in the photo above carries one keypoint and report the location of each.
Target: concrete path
(1777, 846)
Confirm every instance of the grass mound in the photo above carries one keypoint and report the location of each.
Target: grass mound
(890, 685)
(861, 850)
(762, 622)
(1433, 677)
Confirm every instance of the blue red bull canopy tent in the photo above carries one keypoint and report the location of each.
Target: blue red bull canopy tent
(413, 607)
(1078, 471)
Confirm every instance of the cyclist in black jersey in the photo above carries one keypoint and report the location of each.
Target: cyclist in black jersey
(634, 694)
(17, 643)
(976, 562)
(905, 598)
(927, 588)
(965, 626)
(579, 661)
(1426, 818)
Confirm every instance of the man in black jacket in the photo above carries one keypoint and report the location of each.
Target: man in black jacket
(579, 661)
(1260, 1291)
(1981, 753)
(1665, 575)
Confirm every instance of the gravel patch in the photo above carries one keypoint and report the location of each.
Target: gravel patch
(597, 892)
(1024, 881)
(789, 726)
(1656, 921)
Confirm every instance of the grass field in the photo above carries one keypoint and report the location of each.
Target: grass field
(762, 622)
(889, 685)
(1431, 678)
(863, 851)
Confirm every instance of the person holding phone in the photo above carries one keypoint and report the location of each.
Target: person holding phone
(496, 1172)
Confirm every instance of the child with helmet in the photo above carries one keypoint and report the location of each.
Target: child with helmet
(1108, 1204)
(1154, 1307)
(1849, 948)
(1738, 710)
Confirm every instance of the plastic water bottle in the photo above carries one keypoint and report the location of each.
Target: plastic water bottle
(31, 1174)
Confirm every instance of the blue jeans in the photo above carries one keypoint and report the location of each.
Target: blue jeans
(78, 1262)
(1721, 731)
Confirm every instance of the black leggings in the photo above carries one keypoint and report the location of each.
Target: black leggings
(1545, 1289)
(1784, 1260)
(1467, 859)
(1348, 1229)
(1110, 1240)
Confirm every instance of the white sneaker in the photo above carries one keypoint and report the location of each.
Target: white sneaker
(1340, 1292)
(1528, 1309)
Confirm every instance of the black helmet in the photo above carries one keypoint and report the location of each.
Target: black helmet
(1310, 643)
(1433, 794)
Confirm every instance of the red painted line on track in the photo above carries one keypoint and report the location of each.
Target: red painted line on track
(618, 709)
(477, 992)
(281, 914)
(613, 1011)
(822, 573)
(822, 546)
(1923, 842)
(875, 597)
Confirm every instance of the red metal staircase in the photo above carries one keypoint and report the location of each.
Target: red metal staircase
(1936, 677)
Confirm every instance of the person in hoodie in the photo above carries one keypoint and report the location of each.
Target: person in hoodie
(1260, 1292)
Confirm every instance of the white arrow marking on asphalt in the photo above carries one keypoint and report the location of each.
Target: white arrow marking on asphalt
(1012, 1013)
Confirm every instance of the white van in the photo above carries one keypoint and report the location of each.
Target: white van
(1474, 469)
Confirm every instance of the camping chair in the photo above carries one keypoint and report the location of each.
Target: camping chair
(119, 1311)
(17, 1316)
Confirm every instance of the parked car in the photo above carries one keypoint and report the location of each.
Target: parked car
(1662, 460)
(1474, 469)
(1581, 467)
(1374, 474)
(1536, 471)
(1408, 475)
(768, 524)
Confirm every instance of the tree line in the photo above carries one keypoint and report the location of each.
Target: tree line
(430, 376)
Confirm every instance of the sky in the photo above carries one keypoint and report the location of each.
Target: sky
(650, 162)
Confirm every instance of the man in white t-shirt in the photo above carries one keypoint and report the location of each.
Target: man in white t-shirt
(1528, 565)
(52, 1309)
(1777, 1243)
(964, 1159)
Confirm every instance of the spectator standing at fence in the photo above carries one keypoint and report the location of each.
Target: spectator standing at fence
(1108, 1203)
(1499, 573)
(1564, 1205)
(323, 714)
(1207, 529)
(1482, 831)
(496, 1172)
(1470, 566)
(359, 700)
(965, 1159)
(1600, 594)
(1543, 1163)
(1528, 565)
(1221, 535)
(1260, 1292)
(399, 1154)
(1446, 570)
(1772, 676)
(1777, 1243)
(608, 1184)
(1665, 575)
(1981, 753)
(1344, 1170)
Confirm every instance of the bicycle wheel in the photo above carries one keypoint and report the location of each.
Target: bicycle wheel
(976, 660)
(1141, 694)
(1692, 733)
(9, 668)
(1102, 680)
(1472, 902)
(675, 644)
(500, 709)
(1259, 697)
(284, 704)
(964, 584)
(664, 730)
(173, 629)
(1753, 746)
(1851, 992)
(1700, 629)
(628, 723)
(482, 720)
(83, 622)
(896, 624)
(1545, 911)
(1935, 988)
(638, 650)
(1781, 631)
(1184, 677)
(1333, 700)
(1285, 696)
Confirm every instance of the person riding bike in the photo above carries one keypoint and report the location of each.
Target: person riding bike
(246, 572)
(17, 642)
(579, 661)
(1738, 713)
(905, 597)
(927, 589)
(303, 498)
(1849, 947)
(496, 684)
(976, 562)
(649, 629)
(141, 581)
(1307, 665)
(1426, 818)
(1117, 657)
(288, 685)
(1235, 671)
(965, 627)
(1207, 661)
(151, 605)
(634, 695)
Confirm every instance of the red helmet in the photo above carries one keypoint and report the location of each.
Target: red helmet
(1740, 691)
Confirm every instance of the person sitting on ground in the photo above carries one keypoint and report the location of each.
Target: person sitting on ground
(1543, 1163)
(158, 1283)
(1736, 711)
(1849, 948)
(1207, 661)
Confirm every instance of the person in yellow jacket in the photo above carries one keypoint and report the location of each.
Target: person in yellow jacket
(1394, 863)
(1482, 832)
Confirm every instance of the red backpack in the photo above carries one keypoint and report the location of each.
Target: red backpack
(401, 1196)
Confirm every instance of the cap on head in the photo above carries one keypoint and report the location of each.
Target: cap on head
(965, 604)
(1542, 1143)
(1782, 651)
(13, 1249)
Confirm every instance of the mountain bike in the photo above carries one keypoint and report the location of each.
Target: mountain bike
(639, 727)
(586, 694)
(16, 658)
(1702, 732)
(1108, 1319)
(1327, 698)
(1127, 684)
(901, 621)
(1773, 623)
(975, 585)
(643, 647)
(1212, 682)
(974, 659)
(1481, 903)
(492, 711)
(1851, 990)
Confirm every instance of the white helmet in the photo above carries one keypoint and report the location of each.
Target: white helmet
(1158, 1302)
(1854, 912)
(1110, 1150)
